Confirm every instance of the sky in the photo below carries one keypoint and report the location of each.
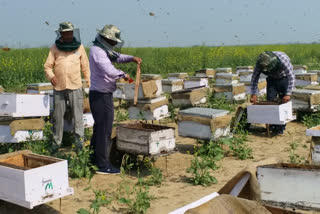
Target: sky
(163, 23)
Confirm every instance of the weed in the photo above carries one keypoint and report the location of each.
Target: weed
(200, 169)
(211, 149)
(219, 103)
(311, 120)
(238, 147)
(102, 198)
(295, 158)
(80, 165)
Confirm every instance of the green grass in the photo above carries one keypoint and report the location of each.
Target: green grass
(19, 67)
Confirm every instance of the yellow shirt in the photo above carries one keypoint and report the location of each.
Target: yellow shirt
(67, 66)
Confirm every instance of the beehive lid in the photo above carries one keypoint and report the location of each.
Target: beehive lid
(245, 67)
(300, 67)
(42, 86)
(224, 70)
(228, 84)
(167, 81)
(151, 77)
(204, 112)
(314, 71)
(177, 74)
(313, 87)
(224, 74)
(154, 100)
(196, 78)
(306, 74)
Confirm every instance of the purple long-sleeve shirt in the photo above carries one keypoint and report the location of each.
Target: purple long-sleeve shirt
(103, 74)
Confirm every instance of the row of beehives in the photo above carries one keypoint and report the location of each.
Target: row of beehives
(22, 116)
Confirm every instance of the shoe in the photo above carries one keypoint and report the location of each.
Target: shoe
(108, 170)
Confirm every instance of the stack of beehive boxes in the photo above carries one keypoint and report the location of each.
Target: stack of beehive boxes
(306, 79)
(315, 72)
(42, 88)
(306, 99)
(152, 105)
(190, 97)
(262, 86)
(20, 116)
(314, 132)
(228, 86)
(174, 82)
(300, 69)
(244, 72)
(204, 123)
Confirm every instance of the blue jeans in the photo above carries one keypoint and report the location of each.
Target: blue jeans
(277, 88)
(101, 105)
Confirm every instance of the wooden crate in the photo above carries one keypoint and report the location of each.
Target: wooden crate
(300, 69)
(197, 123)
(196, 82)
(145, 139)
(24, 105)
(143, 110)
(29, 180)
(190, 97)
(266, 112)
(169, 86)
(290, 185)
(207, 72)
(232, 92)
(303, 99)
(306, 79)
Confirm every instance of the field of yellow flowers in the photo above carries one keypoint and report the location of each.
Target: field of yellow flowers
(19, 67)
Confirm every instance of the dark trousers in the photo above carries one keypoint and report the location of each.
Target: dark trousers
(276, 89)
(101, 105)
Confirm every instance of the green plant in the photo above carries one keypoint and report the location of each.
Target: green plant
(80, 165)
(155, 179)
(102, 198)
(238, 147)
(295, 158)
(200, 169)
(211, 149)
(121, 116)
(172, 111)
(311, 120)
(220, 103)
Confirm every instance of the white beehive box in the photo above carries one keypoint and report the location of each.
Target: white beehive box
(145, 139)
(29, 180)
(190, 97)
(266, 112)
(8, 134)
(262, 86)
(315, 144)
(315, 72)
(129, 90)
(200, 123)
(88, 122)
(304, 99)
(174, 76)
(300, 69)
(306, 79)
(193, 82)
(223, 70)
(169, 86)
(231, 92)
(207, 72)
(144, 110)
(42, 88)
(314, 131)
(289, 185)
(24, 105)
(226, 78)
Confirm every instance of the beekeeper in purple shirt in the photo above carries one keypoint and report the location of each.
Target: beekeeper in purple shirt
(103, 83)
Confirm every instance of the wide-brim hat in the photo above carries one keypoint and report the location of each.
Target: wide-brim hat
(110, 32)
(65, 26)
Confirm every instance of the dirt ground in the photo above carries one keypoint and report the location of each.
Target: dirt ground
(176, 191)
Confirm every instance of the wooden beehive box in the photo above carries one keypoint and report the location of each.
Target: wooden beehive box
(196, 82)
(223, 70)
(207, 72)
(300, 69)
(303, 99)
(203, 123)
(155, 90)
(315, 144)
(267, 112)
(153, 109)
(21, 130)
(174, 76)
(262, 86)
(190, 97)
(315, 72)
(289, 185)
(24, 105)
(145, 139)
(231, 92)
(41, 88)
(226, 78)
(28, 179)
(169, 86)
(306, 79)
